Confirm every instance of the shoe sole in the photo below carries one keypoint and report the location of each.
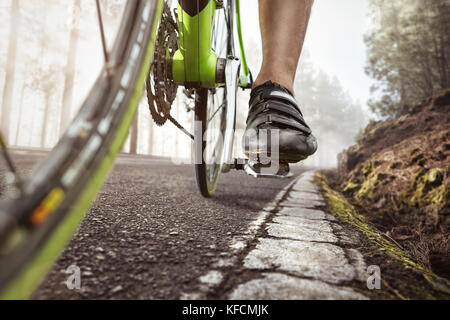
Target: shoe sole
(286, 157)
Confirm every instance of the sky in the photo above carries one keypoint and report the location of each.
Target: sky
(334, 41)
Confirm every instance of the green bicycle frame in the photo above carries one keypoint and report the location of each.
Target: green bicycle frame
(195, 64)
(244, 80)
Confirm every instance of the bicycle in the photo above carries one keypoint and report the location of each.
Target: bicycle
(158, 46)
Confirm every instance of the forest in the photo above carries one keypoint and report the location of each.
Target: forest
(408, 53)
(50, 55)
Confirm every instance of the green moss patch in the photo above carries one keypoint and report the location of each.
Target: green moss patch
(368, 168)
(351, 187)
(428, 188)
(368, 186)
(345, 211)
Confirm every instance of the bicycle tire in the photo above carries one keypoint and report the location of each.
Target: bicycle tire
(206, 181)
(60, 191)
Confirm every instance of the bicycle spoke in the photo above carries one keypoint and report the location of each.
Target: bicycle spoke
(102, 32)
(223, 105)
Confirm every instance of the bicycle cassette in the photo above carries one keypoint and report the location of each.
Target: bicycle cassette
(161, 89)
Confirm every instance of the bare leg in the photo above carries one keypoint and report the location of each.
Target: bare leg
(283, 28)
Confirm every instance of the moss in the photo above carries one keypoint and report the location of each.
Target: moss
(419, 174)
(343, 210)
(367, 187)
(351, 186)
(422, 162)
(420, 189)
(420, 159)
(424, 183)
(366, 191)
(439, 197)
(368, 168)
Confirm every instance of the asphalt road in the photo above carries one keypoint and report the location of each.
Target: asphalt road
(150, 234)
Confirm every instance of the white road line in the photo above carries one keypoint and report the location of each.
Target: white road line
(302, 243)
(301, 258)
(237, 245)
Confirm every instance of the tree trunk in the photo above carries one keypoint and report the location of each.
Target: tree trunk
(134, 134)
(8, 89)
(150, 137)
(45, 120)
(70, 70)
(19, 121)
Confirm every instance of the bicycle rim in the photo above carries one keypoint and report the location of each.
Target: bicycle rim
(56, 196)
(211, 108)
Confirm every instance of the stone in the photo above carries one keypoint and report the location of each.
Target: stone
(302, 229)
(346, 236)
(357, 260)
(309, 188)
(277, 286)
(117, 289)
(322, 261)
(212, 278)
(302, 203)
(306, 195)
(305, 213)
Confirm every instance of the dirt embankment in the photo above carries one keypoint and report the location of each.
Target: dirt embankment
(398, 175)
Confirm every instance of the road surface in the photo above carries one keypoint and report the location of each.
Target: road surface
(150, 235)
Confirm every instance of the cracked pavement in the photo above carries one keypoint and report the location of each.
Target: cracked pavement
(296, 255)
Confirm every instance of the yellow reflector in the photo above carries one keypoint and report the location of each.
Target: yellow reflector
(50, 203)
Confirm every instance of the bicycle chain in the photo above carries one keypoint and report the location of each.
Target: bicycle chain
(161, 90)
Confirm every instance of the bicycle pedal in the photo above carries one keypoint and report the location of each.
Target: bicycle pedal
(277, 171)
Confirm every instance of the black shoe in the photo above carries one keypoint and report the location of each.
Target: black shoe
(273, 107)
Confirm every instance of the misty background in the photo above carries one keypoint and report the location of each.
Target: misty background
(50, 55)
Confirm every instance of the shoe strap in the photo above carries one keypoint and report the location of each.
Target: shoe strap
(277, 107)
(275, 94)
(273, 118)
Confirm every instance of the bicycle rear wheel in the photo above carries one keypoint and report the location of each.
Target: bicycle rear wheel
(211, 108)
(36, 225)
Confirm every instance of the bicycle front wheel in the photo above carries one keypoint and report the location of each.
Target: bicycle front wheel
(211, 107)
(36, 224)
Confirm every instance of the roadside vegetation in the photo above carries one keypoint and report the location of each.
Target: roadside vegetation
(394, 183)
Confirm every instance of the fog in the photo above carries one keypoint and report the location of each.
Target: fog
(331, 85)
